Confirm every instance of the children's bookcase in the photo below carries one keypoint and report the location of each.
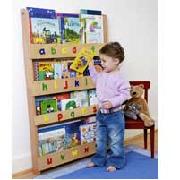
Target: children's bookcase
(38, 88)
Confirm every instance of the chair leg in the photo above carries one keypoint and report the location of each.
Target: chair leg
(152, 134)
(145, 138)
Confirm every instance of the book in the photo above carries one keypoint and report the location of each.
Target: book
(41, 13)
(38, 103)
(67, 104)
(60, 97)
(82, 60)
(44, 31)
(70, 27)
(48, 106)
(72, 137)
(51, 139)
(57, 70)
(91, 26)
(45, 71)
(81, 98)
(36, 70)
(88, 133)
(92, 97)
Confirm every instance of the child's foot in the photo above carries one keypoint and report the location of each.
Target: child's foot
(90, 164)
(111, 168)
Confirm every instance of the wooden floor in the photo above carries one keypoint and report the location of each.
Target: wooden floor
(138, 141)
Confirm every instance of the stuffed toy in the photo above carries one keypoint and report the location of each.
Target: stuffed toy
(137, 107)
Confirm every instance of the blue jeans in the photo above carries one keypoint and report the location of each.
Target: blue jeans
(110, 135)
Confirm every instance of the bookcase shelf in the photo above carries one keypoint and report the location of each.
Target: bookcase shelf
(44, 51)
(62, 116)
(47, 52)
(59, 158)
(61, 85)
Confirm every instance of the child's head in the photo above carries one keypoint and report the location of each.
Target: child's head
(111, 55)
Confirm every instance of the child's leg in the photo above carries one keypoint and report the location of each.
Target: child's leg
(99, 159)
(115, 130)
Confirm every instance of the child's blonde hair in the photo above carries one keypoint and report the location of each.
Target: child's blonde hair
(114, 50)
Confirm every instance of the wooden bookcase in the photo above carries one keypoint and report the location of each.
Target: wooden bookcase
(37, 88)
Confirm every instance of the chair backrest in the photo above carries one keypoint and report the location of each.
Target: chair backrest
(146, 87)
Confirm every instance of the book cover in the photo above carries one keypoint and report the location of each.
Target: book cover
(82, 60)
(45, 71)
(51, 139)
(70, 27)
(72, 137)
(45, 31)
(81, 98)
(57, 70)
(38, 103)
(67, 104)
(60, 97)
(48, 105)
(92, 97)
(92, 26)
(41, 12)
(88, 133)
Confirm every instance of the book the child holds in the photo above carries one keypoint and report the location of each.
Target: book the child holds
(82, 60)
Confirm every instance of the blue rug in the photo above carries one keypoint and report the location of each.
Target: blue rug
(138, 167)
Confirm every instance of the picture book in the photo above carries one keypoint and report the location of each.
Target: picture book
(72, 137)
(67, 104)
(70, 27)
(82, 60)
(88, 133)
(81, 98)
(57, 70)
(38, 103)
(92, 26)
(51, 139)
(46, 71)
(60, 97)
(44, 31)
(92, 97)
(48, 105)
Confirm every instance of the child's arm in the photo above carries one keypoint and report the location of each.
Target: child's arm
(93, 72)
(124, 94)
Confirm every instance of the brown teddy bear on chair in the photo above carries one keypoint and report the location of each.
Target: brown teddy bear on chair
(137, 106)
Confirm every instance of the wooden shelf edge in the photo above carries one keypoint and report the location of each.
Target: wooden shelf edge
(39, 88)
(62, 116)
(67, 155)
(41, 51)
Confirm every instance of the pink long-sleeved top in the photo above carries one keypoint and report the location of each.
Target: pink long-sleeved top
(110, 87)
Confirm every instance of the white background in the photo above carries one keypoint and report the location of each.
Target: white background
(132, 23)
(168, 85)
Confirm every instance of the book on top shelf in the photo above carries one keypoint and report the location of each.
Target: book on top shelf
(41, 13)
(70, 27)
(44, 31)
(91, 26)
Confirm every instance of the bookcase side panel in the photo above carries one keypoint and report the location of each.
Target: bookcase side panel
(29, 80)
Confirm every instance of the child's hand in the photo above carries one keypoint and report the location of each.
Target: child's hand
(107, 105)
(91, 63)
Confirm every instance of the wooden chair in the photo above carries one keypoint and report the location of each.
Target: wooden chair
(139, 124)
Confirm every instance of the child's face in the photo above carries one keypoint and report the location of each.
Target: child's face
(108, 63)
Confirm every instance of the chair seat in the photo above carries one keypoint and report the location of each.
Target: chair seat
(134, 124)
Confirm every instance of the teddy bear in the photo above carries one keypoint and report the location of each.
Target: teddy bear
(137, 106)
